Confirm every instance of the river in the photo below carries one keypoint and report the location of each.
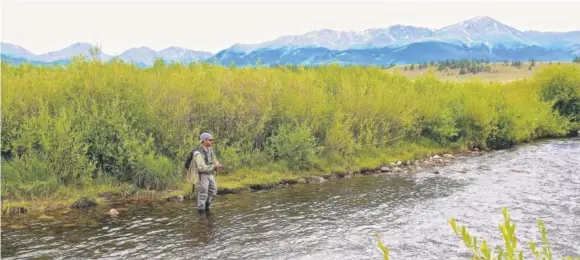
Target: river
(336, 219)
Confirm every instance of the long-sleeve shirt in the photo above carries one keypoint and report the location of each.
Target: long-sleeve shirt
(201, 166)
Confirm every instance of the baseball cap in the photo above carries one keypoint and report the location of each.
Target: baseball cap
(205, 136)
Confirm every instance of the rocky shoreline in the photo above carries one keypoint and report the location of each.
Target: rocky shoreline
(429, 163)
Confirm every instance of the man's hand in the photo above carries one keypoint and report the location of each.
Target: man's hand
(217, 165)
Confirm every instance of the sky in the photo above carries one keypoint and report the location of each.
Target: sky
(42, 26)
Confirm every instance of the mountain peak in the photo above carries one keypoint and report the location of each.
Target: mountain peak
(482, 22)
(482, 29)
(81, 45)
(141, 48)
(478, 23)
(15, 50)
(483, 19)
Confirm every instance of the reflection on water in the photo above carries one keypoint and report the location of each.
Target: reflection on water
(336, 219)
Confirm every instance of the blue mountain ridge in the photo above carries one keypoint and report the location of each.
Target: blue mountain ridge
(480, 37)
(412, 53)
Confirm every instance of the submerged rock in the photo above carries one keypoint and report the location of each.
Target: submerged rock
(68, 225)
(17, 226)
(175, 198)
(45, 218)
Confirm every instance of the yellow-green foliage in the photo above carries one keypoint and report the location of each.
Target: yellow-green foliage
(77, 124)
(382, 247)
(480, 249)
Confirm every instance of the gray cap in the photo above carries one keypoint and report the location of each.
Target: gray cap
(204, 137)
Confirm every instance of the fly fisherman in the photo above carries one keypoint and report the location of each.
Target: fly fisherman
(202, 165)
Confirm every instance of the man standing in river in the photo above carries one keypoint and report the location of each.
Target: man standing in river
(202, 164)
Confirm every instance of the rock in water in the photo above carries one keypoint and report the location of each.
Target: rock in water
(447, 155)
(316, 179)
(386, 169)
(113, 213)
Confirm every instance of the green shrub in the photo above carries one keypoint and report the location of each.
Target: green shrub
(561, 85)
(294, 145)
(154, 172)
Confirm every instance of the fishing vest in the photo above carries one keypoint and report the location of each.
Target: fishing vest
(205, 155)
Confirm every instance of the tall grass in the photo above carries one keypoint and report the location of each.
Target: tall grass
(75, 125)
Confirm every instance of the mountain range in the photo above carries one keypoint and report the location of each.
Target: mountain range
(480, 37)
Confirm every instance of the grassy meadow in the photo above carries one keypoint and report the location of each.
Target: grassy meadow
(90, 128)
(500, 72)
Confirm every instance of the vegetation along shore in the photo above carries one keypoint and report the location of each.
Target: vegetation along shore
(75, 135)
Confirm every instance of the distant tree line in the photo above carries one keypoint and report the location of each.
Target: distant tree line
(464, 65)
(577, 59)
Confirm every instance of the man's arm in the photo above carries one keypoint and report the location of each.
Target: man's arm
(200, 162)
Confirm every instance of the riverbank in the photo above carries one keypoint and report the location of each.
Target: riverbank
(402, 162)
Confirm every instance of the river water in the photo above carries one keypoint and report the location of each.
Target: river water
(337, 219)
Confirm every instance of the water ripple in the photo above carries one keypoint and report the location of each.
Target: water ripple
(336, 220)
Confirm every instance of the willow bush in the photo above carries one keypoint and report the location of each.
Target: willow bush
(76, 124)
